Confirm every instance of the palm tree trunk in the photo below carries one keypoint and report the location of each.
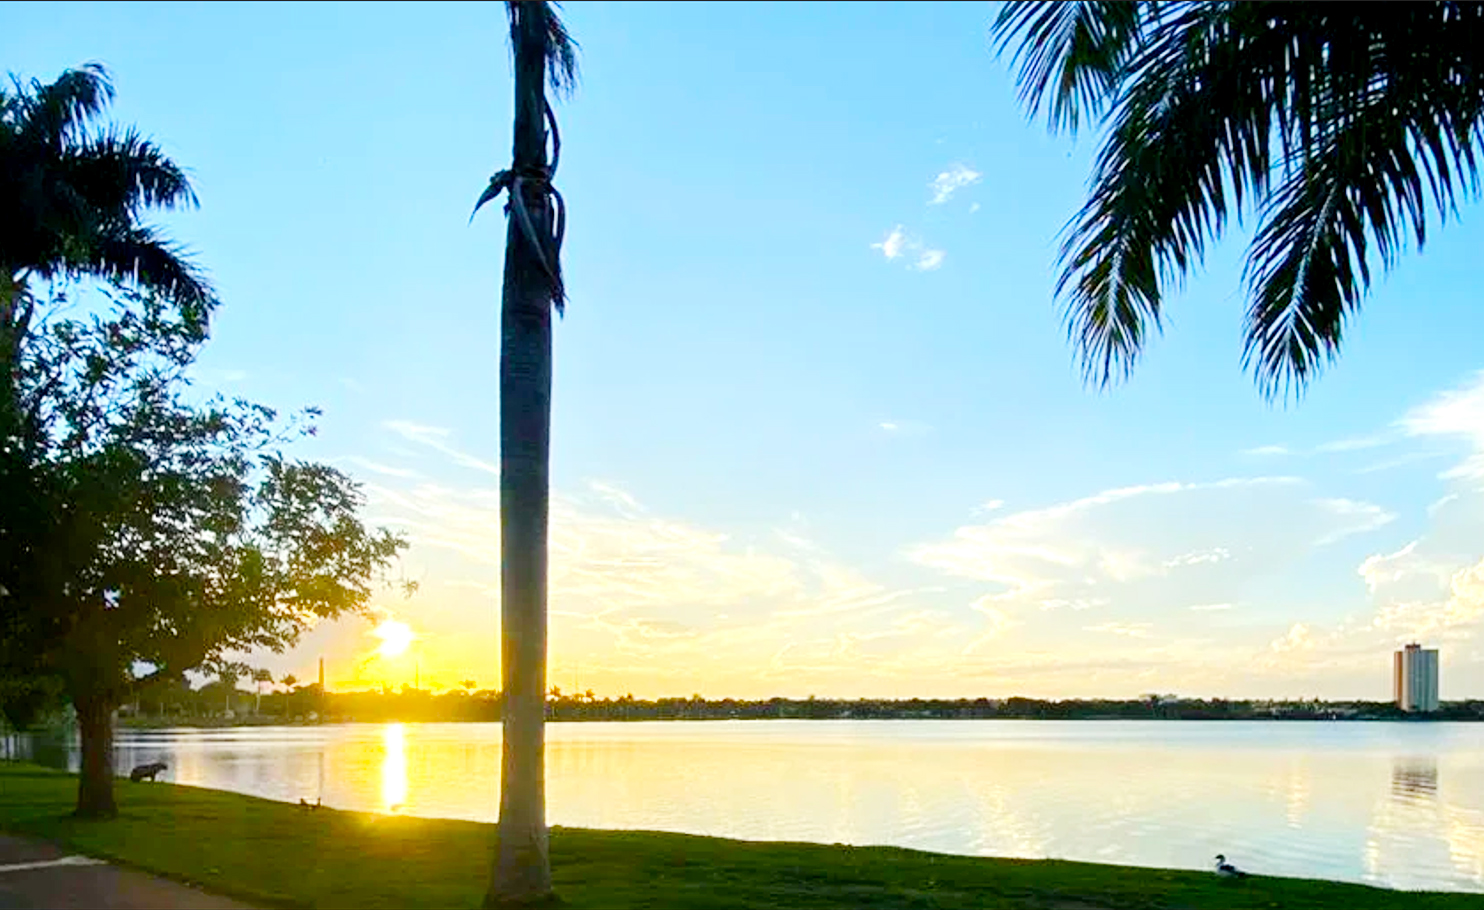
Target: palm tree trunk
(522, 868)
(95, 785)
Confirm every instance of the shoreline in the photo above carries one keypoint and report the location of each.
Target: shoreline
(276, 854)
(223, 723)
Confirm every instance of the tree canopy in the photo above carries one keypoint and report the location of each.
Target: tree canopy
(160, 531)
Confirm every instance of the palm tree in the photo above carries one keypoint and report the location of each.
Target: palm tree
(259, 677)
(73, 197)
(532, 288)
(1342, 127)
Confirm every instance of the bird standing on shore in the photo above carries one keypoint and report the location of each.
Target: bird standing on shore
(1226, 869)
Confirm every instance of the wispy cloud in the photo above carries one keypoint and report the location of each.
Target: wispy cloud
(1210, 608)
(436, 438)
(1355, 518)
(1266, 451)
(893, 244)
(1356, 443)
(955, 178)
(1126, 629)
(898, 245)
(1298, 638)
(930, 260)
(379, 468)
(1456, 413)
(1145, 552)
(895, 426)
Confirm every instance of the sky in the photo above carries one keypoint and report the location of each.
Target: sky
(816, 426)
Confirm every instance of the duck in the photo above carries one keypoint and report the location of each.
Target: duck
(1226, 869)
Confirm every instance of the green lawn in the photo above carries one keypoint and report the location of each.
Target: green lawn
(276, 854)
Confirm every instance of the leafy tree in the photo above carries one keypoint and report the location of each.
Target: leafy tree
(1342, 127)
(532, 287)
(153, 532)
(25, 701)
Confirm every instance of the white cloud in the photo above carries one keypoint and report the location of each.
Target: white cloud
(929, 260)
(1266, 451)
(903, 427)
(1155, 555)
(973, 207)
(1126, 629)
(379, 468)
(1298, 638)
(1195, 558)
(951, 181)
(1076, 604)
(1357, 518)
(897, 245)
(436, 438)
(1455, 413)
(1356, 443)
(894, 243)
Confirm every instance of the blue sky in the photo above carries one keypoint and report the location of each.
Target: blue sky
(775, 446)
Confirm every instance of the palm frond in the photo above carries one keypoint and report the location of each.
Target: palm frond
(123, 171)
(140, 256)
(1071, 55)
(561, 47)
(1190, 141)
(1397, 125)
(53, 112)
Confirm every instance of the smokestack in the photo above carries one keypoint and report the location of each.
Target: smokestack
(322, 674)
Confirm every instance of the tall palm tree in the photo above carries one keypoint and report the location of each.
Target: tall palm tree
(532, 288)
(1342, 127)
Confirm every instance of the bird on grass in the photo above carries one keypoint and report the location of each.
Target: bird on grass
(1226, 869)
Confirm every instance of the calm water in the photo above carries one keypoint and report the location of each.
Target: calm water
(1392, 804)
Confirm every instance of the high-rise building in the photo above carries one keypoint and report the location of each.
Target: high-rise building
(1415, 678)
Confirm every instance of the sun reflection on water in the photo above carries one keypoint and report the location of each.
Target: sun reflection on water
(393, 767)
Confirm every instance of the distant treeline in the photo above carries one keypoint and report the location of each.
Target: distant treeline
(217, 703)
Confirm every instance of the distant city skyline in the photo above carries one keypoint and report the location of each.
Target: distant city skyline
(816, 427)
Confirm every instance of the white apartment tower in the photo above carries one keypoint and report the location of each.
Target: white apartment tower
(1415, 679)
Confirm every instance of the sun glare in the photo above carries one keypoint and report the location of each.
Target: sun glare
(396, 637)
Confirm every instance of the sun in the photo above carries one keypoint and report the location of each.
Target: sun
(396, 637)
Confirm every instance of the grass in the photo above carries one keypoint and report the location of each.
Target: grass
(275, 854)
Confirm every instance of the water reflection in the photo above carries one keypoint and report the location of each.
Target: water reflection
(1325, 800)
(394, 767)
(1414, 778)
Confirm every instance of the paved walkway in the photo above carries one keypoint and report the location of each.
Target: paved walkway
(34, 874)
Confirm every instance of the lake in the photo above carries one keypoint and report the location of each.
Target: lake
(1395, 804)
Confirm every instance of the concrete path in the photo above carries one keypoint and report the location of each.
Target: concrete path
(34, 874)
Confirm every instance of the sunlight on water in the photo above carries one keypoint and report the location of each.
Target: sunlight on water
(1391, 804)
(394, 767)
